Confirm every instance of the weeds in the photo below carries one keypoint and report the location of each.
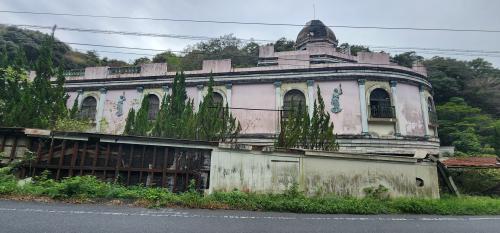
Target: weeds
(293, 200)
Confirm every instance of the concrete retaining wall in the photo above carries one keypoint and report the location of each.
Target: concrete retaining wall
(320, 173)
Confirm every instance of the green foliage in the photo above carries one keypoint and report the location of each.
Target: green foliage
(381, 192)
(73, 112)
(75, 125)
(142, 125)
(476, 181)
(214, 122)
(467, 128)
(129, 124)
(177, 119)
(283, 45)
(302, 131)
(241, 54)
(355, 49)
(407, 59)
(89, 187)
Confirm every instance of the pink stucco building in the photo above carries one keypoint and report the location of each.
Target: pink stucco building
(376, 106)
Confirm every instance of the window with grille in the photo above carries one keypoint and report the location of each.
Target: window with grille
(380, 104)
(218, 99)
(293, 100)
(154, 107)
(431, 109)
(89, 108)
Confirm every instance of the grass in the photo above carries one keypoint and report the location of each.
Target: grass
(89, 188)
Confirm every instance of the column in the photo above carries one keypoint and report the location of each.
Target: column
(277, 94)
(362, 104)
(423, 105)
(165, 90)
(80, 98)
(310, 96)
(229, 93)
(200, 97)
(100, 108)
(396, 107)
(140, 95)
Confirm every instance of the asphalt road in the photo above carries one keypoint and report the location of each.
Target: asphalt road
(59, 217)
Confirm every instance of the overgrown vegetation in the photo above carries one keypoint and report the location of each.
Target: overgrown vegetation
(299, 130)
(177, 118)
(89, 188)
(37, 103)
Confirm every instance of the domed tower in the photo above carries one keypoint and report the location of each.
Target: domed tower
(314, 34)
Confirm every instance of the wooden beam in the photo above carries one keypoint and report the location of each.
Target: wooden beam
(61, 157)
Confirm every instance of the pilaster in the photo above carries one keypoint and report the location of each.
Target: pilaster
(362, 103)
(393, 84)
(100, 108)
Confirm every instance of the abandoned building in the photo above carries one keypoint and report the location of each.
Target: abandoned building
(383, 114)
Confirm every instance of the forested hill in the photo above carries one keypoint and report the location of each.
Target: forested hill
(466, 93)
(13, 40)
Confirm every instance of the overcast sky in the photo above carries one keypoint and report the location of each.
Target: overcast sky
(478, 14)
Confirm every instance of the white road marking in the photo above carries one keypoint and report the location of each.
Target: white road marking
(173, 213)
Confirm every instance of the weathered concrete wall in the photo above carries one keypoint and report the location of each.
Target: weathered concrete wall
(349, 177)
(252, 171)
(320, 173)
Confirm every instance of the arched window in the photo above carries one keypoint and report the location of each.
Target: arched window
(218, 99)
(294, 99)
(154, 107)
(430, 105)
(89, 108)
(380, 104)
(431, 109)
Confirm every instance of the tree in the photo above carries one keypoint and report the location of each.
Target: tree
(214, 122)
(299, 130)
(284, 44)
(467, 128)
(130, 122)
(355, 49)
(407, 59)
(73, 112)
(173, 61)
(142, 60)
(142, 125)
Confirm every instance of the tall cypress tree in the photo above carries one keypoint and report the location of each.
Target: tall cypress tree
(315, 132)
(129, 124)
(142, 125)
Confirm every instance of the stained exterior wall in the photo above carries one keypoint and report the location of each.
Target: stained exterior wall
(320, 173)
(263, 96)
(255, 96)
(348, 121)
(410, 117)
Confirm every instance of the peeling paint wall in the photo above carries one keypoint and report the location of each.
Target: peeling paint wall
(340, 174)
(348, 121)
(411, 119)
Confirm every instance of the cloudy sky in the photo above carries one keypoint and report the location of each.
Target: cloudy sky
(478, 14)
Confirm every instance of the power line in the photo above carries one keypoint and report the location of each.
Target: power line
(253, 23)
(127, 33)
(195, 37)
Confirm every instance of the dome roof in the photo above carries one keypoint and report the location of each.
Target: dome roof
(315, 31)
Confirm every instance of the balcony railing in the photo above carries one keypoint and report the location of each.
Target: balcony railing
(74, 73)
(433, 120)
(381, 111)
(124, 70)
